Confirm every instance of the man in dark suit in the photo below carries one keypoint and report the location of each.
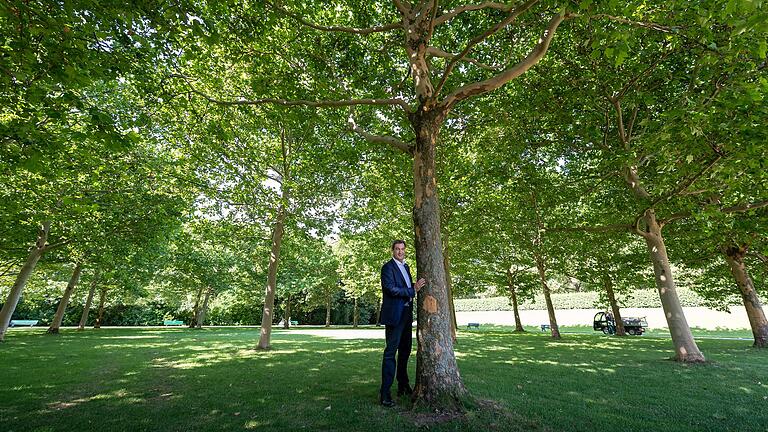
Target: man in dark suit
(398, 292)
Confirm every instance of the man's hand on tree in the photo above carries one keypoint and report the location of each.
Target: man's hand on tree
(419, 283)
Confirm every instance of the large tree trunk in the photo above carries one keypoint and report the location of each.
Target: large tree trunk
(59, 316)
(102, 302)
(269, 297)
(608, 283)
(328, 310)
(287, 313)
(686, 349)
(513, 297)
(438, 382)
(196, 308)
(553, 328)
(734, 255)
(21, 279)
(449, 287)
(204, 308)
(88, 301)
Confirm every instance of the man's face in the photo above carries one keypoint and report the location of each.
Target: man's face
(398, 252)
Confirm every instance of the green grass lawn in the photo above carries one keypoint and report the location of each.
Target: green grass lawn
(654, 332)
(212, 379)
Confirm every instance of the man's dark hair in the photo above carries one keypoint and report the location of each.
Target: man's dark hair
(397, 242)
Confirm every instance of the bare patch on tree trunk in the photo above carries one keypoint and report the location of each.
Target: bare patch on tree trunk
(430, 304)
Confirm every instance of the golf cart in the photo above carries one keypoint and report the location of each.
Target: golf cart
(633, 325)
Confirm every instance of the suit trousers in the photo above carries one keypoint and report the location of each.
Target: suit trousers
(399, 340)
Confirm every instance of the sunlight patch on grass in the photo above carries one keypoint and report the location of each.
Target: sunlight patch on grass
(198, 361)
(254, 424)
(132, 337)
(132, 346)
(244, 353)
(362, 350)
(120, 394)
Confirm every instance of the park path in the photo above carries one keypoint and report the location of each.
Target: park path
(698, 317)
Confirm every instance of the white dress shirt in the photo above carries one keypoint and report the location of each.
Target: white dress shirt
(404, 272)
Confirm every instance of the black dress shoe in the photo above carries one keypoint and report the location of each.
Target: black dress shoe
(406, 390)
(386, 400)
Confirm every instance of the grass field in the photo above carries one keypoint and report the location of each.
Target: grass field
(654, 332)
(212, 379)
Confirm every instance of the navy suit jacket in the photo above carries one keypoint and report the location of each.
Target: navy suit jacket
(395, 293)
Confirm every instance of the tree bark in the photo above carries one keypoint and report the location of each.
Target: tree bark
(553, 328)
(734, 256)
(287, 313)
(21, 279)
(438, 382)
(196, 308)
(355, 314)
(538, 242)
(274, 257)
(686, 349)
(269, 298)
(328, 311)
(102, 302)
(378, 313)
(59, 316)
(88, 301)
(619, 323)
(513, 297)
(449, 287)
(204, 309)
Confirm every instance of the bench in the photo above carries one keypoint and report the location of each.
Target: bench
(545, 327)
(294, 322)
(29, 323)
(173, 323)
(475, 325)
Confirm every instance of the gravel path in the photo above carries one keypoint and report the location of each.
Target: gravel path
(698, 317)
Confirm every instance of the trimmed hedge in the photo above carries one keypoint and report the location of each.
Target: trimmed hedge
(648, 298)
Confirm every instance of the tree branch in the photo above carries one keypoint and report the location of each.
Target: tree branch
(632, 122)
(56, 245)
(616, 102)
(432, 24)
(488, 33)
(680, 187)
(401, 6)
(7, 270)
(648, 25)
(511, 73)
(378, 139)
(642, 74)
(298, 102)
(741, 208)
(597, 229)
(759, 256)
(437, 52)
(368, 30)
(442, 19)
(745, 207)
